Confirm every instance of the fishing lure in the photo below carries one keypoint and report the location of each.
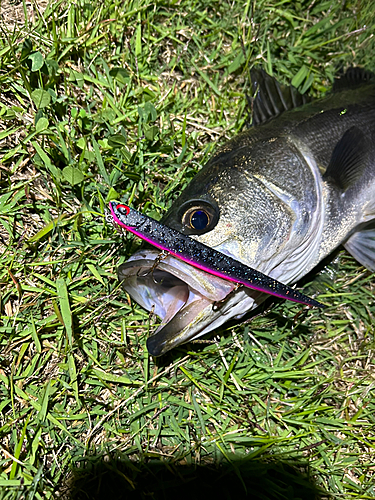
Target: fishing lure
(202, 256)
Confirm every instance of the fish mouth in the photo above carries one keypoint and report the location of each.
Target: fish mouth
(189, 302)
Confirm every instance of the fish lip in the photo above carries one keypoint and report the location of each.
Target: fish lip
(193, 308)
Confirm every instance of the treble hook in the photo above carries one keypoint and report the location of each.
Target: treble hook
(162, 255)
(219, 303)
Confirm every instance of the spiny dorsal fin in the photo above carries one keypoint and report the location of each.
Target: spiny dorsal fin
(348, 159)
(271, 97)
(353, 77)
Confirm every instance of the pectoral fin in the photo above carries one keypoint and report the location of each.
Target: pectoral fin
(349, 159)
(361, 245)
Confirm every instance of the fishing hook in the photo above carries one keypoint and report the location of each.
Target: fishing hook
(219, 303)
(162, 255)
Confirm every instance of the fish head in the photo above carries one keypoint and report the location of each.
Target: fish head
(235, 208)
(254, 203)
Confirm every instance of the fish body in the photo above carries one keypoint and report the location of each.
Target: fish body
(279, 198)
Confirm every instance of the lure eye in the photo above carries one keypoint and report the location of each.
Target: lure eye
(123, 209)
(198, 217)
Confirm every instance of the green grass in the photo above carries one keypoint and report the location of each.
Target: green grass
(127, 100)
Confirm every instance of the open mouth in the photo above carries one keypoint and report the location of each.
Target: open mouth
(189, 302)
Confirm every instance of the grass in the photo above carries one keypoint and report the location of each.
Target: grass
(108, 100)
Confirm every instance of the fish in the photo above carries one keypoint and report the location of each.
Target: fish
(279, 198)
(201, 256)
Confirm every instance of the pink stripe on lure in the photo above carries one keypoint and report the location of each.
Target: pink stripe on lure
(202, 256)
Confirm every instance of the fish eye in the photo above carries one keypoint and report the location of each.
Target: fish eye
(198, 217)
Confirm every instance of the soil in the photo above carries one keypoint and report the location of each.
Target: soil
(12, 13)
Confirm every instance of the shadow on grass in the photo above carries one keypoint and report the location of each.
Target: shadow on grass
(99, 478)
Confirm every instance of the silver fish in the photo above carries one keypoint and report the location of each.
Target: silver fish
(278, 197)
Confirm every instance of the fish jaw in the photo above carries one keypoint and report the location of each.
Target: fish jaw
(189, 302)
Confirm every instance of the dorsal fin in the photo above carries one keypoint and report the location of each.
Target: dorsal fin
(348, 159)
(353, 77)
(272, 98)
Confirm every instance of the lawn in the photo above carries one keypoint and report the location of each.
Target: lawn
(127, 100)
